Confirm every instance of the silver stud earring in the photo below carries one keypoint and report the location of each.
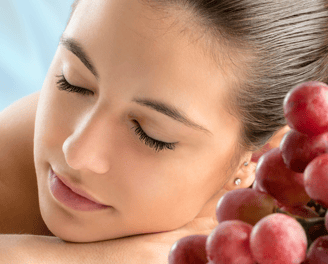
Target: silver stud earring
(237, 181)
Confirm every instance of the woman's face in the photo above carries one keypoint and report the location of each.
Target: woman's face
(90, 139)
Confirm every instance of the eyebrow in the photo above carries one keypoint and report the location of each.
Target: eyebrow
(169, 110)
(75, 47)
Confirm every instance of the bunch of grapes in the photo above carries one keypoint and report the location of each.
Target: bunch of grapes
(283, 217)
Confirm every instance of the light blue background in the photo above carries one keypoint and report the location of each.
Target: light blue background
(29, 36)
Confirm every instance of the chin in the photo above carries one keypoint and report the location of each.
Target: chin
(70, 229)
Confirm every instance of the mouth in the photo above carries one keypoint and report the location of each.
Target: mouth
(71, 196)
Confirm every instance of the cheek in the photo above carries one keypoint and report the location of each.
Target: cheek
(49, 120)
(176, 191)
(58, 112)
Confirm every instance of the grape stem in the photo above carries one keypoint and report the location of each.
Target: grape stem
(319, 208)
(313, 227)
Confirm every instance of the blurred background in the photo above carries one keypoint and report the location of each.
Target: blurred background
(29, 36)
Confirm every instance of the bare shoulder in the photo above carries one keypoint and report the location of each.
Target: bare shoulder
(19, 198)
(16, 135)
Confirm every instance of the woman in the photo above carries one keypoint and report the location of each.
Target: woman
(152, 110)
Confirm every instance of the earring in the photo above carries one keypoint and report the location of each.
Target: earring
(237, 181)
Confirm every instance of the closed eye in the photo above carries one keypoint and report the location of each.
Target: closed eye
(64, 85)
(152, 143)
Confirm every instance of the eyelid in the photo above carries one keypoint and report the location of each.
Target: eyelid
(64, 85)
(74, 75)
(138, 124)
(155, 144)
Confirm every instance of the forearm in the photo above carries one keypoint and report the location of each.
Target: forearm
(19, 249)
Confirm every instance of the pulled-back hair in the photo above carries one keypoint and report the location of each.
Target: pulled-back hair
(272, 46)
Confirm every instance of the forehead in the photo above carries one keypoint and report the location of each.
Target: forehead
(157, 49)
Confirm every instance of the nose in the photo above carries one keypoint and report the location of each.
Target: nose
(88, 147)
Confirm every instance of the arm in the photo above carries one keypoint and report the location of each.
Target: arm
(19, 249)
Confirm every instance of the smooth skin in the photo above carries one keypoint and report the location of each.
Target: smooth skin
(156, 198)
(23, 215)
(90, 139)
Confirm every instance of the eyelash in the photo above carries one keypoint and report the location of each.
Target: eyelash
(153, 143)
(64, 85)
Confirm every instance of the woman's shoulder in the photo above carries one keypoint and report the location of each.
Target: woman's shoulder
(17, 134)
(18, 187)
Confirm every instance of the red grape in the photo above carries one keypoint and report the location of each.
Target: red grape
(316, 179)
(318, 251)
(246, 204)
(278, 238)
(281, 183)
(326, 220)
(302, 210)
(190, 249)
(229, 243)
(298, 149)
(256, 187)
(306, 108)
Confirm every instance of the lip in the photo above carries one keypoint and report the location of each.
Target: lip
(72, 196)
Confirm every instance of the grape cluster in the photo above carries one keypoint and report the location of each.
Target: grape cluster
(282, 217)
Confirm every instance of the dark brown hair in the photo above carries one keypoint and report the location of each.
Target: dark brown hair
(271, 47)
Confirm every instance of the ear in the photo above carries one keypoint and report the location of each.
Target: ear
(247, 173)
(274, 142)
(277, 137)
